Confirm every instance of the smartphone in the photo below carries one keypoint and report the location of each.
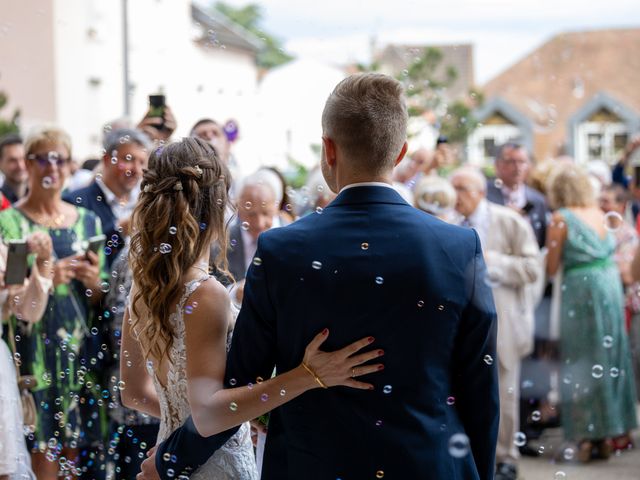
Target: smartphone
(95, 244)
(156, 105)
(16, 262)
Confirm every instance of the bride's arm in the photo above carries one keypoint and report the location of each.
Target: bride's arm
(139, 392)
(215, 409)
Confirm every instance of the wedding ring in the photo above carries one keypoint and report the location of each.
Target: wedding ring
(353, 372)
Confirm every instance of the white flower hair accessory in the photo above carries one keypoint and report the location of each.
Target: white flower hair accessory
(178, 186)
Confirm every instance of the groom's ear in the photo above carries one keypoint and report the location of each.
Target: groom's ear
(329, 150)
(403, 152)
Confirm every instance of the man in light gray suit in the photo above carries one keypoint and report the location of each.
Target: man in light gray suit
(513, 270)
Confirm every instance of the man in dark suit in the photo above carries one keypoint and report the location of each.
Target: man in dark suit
(13, 167)
(113, 194)
(509, 188)
(257, 208)
(369, 264)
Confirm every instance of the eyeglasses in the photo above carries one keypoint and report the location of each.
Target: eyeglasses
(512, 161)
(50, 158)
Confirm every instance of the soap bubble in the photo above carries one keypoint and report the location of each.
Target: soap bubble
(459, 445)
(597, 371)
(520, 439)
(613, 221)
(568, 453)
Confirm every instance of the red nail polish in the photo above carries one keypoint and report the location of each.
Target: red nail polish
(370, 387)
(380, 367)
(325, 331)
(371, 339)
(380, 352)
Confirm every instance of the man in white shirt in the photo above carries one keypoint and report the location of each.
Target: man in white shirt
(13, 168)
(509, 188)
(257, 207)
(513, 266)
(112, 196)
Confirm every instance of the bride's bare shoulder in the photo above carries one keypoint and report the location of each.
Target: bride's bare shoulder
(209, 303)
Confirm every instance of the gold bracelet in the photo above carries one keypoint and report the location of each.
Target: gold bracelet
(313, 374)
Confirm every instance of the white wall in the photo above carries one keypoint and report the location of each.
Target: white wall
(26, 59)
(198, 81)
(290, 103)
(61, 61)
(88, 62)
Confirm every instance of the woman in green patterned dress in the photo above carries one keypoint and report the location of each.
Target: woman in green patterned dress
(56, 349)
(597, 388)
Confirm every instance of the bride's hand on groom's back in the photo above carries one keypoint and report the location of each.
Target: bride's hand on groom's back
(341, 367)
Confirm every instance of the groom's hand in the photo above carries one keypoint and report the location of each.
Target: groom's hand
(149, 471)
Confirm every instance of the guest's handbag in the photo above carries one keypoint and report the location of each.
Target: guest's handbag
(26, 383)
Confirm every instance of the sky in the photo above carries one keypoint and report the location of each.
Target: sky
(502, 31)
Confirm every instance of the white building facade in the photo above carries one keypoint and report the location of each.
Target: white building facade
(62, 62)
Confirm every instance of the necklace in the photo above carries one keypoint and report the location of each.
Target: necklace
(201, 267)
(52, 221)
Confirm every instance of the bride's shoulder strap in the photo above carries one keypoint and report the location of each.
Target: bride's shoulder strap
(191, 287)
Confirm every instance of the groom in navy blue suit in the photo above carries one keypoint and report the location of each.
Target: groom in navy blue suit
(369, 264)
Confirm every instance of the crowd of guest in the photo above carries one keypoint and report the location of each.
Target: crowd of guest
(558, 241)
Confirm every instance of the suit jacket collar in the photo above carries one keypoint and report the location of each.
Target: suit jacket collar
(102, 207)
(494, 193)
(367, 194)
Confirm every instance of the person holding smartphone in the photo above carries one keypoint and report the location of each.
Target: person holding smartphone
(159, 122)
(32, 294)
(113, 195)
(62, 350)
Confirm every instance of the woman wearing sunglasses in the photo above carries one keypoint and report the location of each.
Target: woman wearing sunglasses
(62, 350)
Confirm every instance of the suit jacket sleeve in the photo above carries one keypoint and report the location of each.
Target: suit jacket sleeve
(475, 369)
(252, 355)
(520, 266)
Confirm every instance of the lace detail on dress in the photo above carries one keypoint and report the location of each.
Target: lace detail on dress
(235, 460)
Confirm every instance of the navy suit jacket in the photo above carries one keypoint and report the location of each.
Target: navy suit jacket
(538, 208)
(418, 286)
(235, 252)
(235, 256)
(93, 198)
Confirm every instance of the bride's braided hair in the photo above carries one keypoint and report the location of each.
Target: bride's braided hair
(181, 210)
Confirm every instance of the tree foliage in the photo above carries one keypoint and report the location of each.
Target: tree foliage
(250, 18)
(425, 83)
(11, 125)
(459, 122)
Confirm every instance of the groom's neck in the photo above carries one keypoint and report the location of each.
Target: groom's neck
(350, 178)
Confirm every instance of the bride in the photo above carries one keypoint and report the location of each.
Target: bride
(177, 329)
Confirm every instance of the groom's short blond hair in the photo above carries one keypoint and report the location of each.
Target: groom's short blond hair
(366, 116)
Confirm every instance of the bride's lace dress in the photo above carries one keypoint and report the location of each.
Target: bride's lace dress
(235, 460)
